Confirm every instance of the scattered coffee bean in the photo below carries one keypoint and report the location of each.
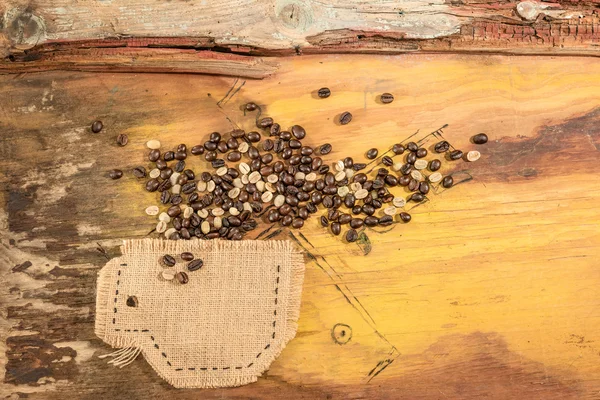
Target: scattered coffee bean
(441, 147)
(480, 138)
(187, 256)
(434, 165)
(455, 155)
(386, 220)
(372, 153)
(195, 265)
(115, 174)
(265, 122)
(351, 235)
(168, 260)
(387, 161)
(182, 277)
(405, 217)
(398, 148)
(336, 228)
(386, 98)
(139, 172)
(447, 182)
(421, 152)
(324, 93)
(97, 126)
(122, 139)
(132, 301)
(251, 106)
(345, 118)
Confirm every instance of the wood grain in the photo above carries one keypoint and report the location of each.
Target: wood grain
(490, 292)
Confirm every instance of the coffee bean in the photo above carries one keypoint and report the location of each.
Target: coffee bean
(416, 197)
(447, 182)
(411, 158)
(168, 260)
(298, 132)
(215, 137)
(274, 129)
(359, 166)
(285, 136)
(434, 165)
(422, 152)
(297, 223)
(386, 220)
(372, 153)
(234, 156)
(250, 106)
(424, 187)
(122, 139)
(97, 126)
(480, 138)
(295, 144)
(165, 197)
(182, 277)
(253, 153)
(325, 149)
(195, 265)
(386, 98)
(398, 148)
(351, 235)
(356, 223)
(154, 155)
(221, 146)
(265, 122)
(187, 256)
(405, 217)
(327, 201)
(344, 218)
(115, 174)
(324, 222)
(356, 210)
(210, 146)
(391, 180)
(371, 221)
(324, 92)
(160, 164)
(197, 150)
(253, 137)
(413, 184)
(174, 211)
(441, 147)
(345, 118)
(152, 185)
(455, 155)
(387, 161)
(349, 200)
(368, 209)
(132, 301)
(139, 172)
(336, 228)
(180, 155)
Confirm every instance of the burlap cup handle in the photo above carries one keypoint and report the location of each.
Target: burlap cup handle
(223, 328)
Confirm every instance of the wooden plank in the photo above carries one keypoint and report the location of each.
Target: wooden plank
(490, 292)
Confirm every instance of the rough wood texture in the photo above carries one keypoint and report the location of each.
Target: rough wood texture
(491, 292)
(80, 32)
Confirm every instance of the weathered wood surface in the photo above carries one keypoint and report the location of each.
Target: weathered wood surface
(491, 292)
(124, 35)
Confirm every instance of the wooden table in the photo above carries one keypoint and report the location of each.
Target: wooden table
(491, 292)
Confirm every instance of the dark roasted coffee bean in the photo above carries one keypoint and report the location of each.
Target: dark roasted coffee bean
(205, 176)
(253, 137)
(422, 152)
(324, 221)
(165, 197)
(356, 210)
(185, 233)
(316, 163)
(222, 147)
(295, 159)
(356, 223)
(371, 221)
(268, 145)
(132, 301)
(193, 197)
(174, 211)
(337, 201)
(177, 223)
(333, 215)
(255, 165)
(169, 156)
(306, 160)
(295, 144)
(303, 196)
(160, 164)
(351, 236)
(434, 165)
(447, 182)
(324, 93)
(265, 122)
(232, 143)
(168, 260)
(97, 126)
(327, 201)
(411, 158)
(344, 218)
(188, 187)
(210, 146)
(387, 161)
(359, 178)
(405, 170)
(165, 185)
(185, 223)
(180, 155)
(349, 200)
(416, 197)
(285, 209)
(287, 153)
(368, 185)
(266, 171)
(306, 150)
(122, 139)
(336, 228)
(391, 180)
(287, 220)
(234, 156)
(386, 220)
(195, 264)
(348, 162)
(187, 256)
(274, 129)
(387, 198)
(115, 174)
(376, 203)
(273, 216)
(412, 146)
(154, 155)
(424, 187)
(179, 166)
(345, 118)
(238, 133)
(212, 235)
(382, 172)
(174, 236)
(405, 217)
(195, 220)
(386, 98)
(378, 184)
(455, 155)
(253, 153)
(182, 277)
(197, 150)
(285, 136)
(311, 207)
(413, 185)
(250, 106)
(316, 197)
(139, 172)
(189, 174)
(372, 153)
(323, 169)
(166, 173)
(215, 137)
(291, 200)
(297, 223)
(210, 156)
(278, 167)
(359, 166)
(368, 209)
(319, 184)
(330, 190)
(480, 138)
(182, 148)
(441, 147)
(298, 132)
(152, 185)
(398, 148)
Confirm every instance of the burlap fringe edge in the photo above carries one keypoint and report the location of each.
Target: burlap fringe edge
(179, 246)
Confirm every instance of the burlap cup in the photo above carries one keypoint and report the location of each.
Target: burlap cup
(223, 328)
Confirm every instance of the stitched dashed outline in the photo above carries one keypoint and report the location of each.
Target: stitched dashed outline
(157, 347)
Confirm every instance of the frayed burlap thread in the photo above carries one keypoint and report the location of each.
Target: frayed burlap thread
(224, 328)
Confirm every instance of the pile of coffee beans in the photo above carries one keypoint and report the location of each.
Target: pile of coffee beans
(168, 261)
